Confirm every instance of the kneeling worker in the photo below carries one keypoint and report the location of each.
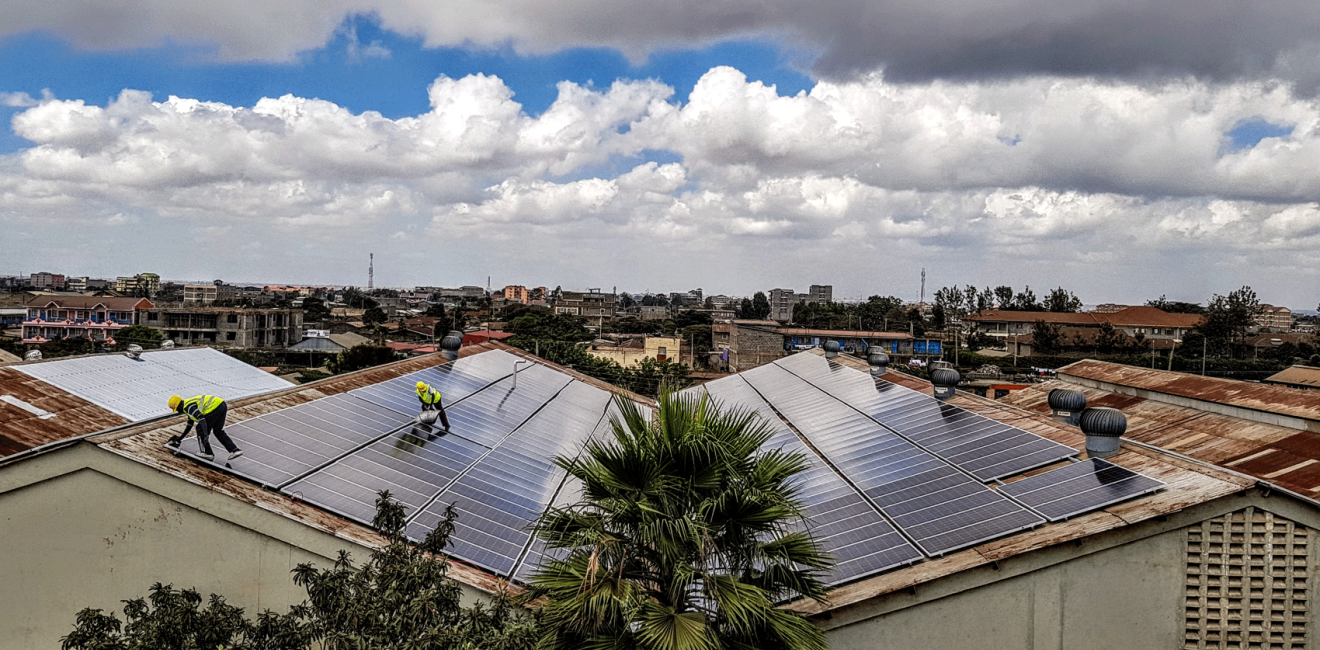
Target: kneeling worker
(430, 399)
(208, 413)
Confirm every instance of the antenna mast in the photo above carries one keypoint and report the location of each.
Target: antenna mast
(923, 286)
(371, 272)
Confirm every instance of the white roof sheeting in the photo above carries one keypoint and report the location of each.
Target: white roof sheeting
(139, 389)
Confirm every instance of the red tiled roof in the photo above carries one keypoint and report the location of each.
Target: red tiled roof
(1129, 317)
(88, 302)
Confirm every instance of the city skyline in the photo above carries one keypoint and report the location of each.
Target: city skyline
(1047, 145)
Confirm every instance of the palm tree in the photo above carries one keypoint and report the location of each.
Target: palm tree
(687, 535)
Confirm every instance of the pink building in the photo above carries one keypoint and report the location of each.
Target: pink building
(52, 317)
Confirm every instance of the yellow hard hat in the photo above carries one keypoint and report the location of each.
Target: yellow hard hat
(175, 401)
(421, 385)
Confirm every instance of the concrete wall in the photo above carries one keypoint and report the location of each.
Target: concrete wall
(84, 527)
(1095, 601)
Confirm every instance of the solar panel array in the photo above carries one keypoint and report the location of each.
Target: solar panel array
(138, 389)
(894, 475)
(940, 507)
(1082, 487)
(985, 448)
(853, 531)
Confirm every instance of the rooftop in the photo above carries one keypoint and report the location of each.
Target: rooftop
(1127, 317)
(1203, 418)
(503, 438)
(46, 401)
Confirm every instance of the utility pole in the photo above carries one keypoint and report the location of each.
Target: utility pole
(1203, 349)
(371, 271)
(923, 290)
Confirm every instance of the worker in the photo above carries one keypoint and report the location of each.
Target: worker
(207, 412)
(430, 399)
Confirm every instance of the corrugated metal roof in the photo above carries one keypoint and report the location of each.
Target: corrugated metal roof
(1297, 376)
(34, 413)
(1278, 454)
(1188, 483)
(138, 389)
(1257, 397)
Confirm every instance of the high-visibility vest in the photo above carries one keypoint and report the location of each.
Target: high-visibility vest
(204, 404)
(429, 395)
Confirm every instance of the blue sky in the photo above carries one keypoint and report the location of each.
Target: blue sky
(393, 85)
(988, 146)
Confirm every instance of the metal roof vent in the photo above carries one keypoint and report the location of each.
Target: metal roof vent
(450, 344)
(946, 382)
(32, 355)
(1066, 405)
(167, 344)
(878, 360)
(1103, 427)
(134, 352)
(831, 349)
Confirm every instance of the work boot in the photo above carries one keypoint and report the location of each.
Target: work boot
(206, 456)
(235, 454)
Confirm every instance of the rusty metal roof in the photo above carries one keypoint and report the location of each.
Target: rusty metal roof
(1296, 376)
(1188, 482)
(1278, 454)
(1241, 394)
(34, 413)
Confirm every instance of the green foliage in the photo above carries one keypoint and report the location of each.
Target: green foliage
(435, 309)
(315, 310)
(646, 378)
(373, 316)
(359, 357)
(878, 313)
(760, 306)
(401, 598)
(687, 536)
(147, 337)
(1227, 322)
(1061, 300)
(67, 347)
(530, 323)
(633, 326)
(358, 300)
(310, 375)
(1175, 307)
(1046, 337)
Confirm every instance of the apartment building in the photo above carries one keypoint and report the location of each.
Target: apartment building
(1274, 319)
(137, 284)
(1151, 322)
(47, 281)
(57, 317)
(588, 304)
(227, 327)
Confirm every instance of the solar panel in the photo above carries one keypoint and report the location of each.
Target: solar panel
(284, 444)
(139, 389)
(500, 498)
(858, 537)
(454, 380)
(937, 505)
(413, 465)
(568, 492)
(1080, 487)
(985, 448)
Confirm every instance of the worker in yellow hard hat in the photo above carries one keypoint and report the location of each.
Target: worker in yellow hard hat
(208, 413)
(431, 405)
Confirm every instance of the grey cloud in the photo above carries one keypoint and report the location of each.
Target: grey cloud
(911, 41)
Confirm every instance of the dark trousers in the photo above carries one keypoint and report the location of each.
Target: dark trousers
(444, 419)
(214, 422)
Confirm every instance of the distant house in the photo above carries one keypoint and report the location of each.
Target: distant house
(1150, 322)
(632, 351)
(1274, 319)
(55, 317)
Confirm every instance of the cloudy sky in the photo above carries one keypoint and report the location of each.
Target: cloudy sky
(1121, 148)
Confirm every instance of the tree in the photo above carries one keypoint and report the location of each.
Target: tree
(1004, 296)
(745, 309)
(314, 310)
(436, 309)
(373, 316)
(1046, 338)
(1175, 307)
(359, 357)
(626, 301)
(686, 537)
(1061, 300)
(1026, 301)
(1111, 339)
(147, 337)
(401, 597)
(760, 306)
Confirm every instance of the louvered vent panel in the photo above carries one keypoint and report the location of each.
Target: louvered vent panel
(1246, 582)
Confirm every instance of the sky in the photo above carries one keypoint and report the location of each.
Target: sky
(1122, 149)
